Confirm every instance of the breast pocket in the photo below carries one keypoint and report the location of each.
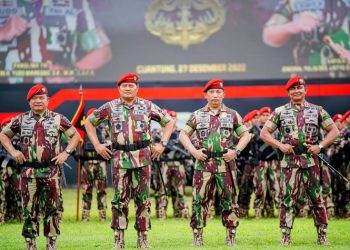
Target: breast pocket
(203, 130)
(287, 125)
(226, 129)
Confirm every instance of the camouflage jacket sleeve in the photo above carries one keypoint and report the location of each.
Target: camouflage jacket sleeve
(281, 15)
(158, 115)
(13, 127)
(91, 36)
(66, 127)
(239, 127)
(99, 115)
(325, 118)
(274, 122)
(190, 126)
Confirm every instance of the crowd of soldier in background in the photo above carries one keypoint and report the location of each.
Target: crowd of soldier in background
(258, 176)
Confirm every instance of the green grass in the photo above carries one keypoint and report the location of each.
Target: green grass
(175, 233)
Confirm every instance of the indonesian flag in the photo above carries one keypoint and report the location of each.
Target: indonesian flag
(78, 119)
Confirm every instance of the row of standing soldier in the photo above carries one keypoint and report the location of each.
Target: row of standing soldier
(214, 127)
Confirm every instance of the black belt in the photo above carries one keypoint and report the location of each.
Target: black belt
(36, 164)
(298, 151)
(214, 154)
(131, 147)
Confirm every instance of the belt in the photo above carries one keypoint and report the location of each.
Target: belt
(297, 150)
(36, 164)
(214, 154)
(131, 147)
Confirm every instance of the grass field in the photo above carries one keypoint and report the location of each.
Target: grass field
(176, 233)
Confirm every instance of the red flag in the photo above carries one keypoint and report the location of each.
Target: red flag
(78, 119)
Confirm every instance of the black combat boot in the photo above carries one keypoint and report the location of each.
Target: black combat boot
(86, 215)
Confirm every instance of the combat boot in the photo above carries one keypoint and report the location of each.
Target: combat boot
(102, 213)
(258, 213)
(185, 213)
(270, 213)
(86, 215)
(322, 235)
(51, 243)
(230, 236)
(160, 213)
(285, 241)
(243, 213)
(142, 241)
(330, 212)
(197, 237)
(119, 239)
(30, 244)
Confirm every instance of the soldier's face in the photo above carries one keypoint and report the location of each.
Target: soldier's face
(38, 103)
(128, 90)
(297, 94)
(264, 117)
(214, 97)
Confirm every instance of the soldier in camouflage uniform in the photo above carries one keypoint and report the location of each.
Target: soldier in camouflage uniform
(94, 171)
(40, 159)
(60, 34)
(299, 123)
(215, 125)
(173, 171)
(250, 161)
(129, 118)
(265, 177)
(323, 28)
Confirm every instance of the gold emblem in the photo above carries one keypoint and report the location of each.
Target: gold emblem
(184, 22)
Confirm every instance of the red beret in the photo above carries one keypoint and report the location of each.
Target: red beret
(128, 77)
(336, 117)
(265, 110)
(347, 113)
(5, 121)
(90, 111)
(250, 115)
(38, 89)
(295, 80)
(214, 84)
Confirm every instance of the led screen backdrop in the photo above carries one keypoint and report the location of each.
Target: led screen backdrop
(61, 41)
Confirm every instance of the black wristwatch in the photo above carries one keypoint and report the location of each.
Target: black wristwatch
(163, 143)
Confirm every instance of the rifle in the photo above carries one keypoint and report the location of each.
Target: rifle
(332, 168)
(157, 164)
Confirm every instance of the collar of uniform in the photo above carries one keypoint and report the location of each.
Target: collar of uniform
(304, 105)
(122, 101)
(32, 114)
(223, 108)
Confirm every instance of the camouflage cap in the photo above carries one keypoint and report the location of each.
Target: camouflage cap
(128, 77)
(38, 89)
(295, 80)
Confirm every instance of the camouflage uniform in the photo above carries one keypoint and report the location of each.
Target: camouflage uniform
(39, 142)
(173, 171)
(60, 32)
(299, 125)
(94, 171)
(131, 172)
(215, 134)
(311, 49)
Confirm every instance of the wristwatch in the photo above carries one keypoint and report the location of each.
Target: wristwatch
(320, 146)
(163, 143)
(67, 150)
(238, 152)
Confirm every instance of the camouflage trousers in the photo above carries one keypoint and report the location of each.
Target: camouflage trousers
(34, 191)
(129, 183)
(94, 172)
(204, 184)
(2, 197)
(13, 200)
(291, 179)
(327, 188)
(266, 180)
(246, 186)
(174, 177)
